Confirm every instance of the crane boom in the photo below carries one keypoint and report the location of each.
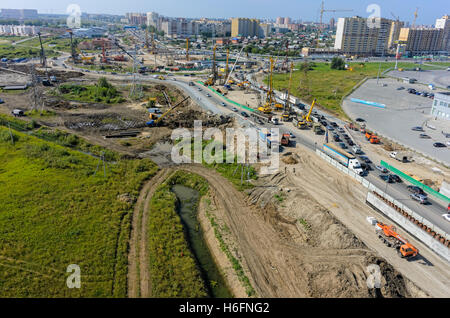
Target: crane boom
(310, 110)
(171, 109)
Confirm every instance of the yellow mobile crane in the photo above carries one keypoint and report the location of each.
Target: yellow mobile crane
(267, 107)
(287, 109)
(306, 120)
(212, 80)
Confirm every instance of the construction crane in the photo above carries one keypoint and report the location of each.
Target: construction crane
(153, 123)
(43, 58)
(416, 14)
(267, 107)
(212, 79)
(187, 49)
(391, 238)
(287, 109)
(323, 10)
(72, 47)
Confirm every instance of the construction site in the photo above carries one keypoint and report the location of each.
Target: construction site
(314, 228)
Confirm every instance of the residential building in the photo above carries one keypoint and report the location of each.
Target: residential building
(422, 40)
(20, 14)
(19, 30)
(245, 27)
(214, 27)
(136, 18)
(175, 28)
(394, 34)
(355, 36)
(153, 20)
(444, 24)
(441, 105)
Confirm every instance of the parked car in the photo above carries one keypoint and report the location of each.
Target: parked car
(417, 128)
(446, 217)
(439, 145)
(400, 88)
(350, 142)
(244, 114)
(341, 130)
(330, 128)
(360, 120)
(342, 145)
(356, 149)
(1, 101)
(334, 124)
(424, 136)
(419, 197)
(234, 109)
(208, 95)
(223, 104)
(382, 169)
(366, 166)
(416, 189)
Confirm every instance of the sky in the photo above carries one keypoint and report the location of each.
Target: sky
(307, 10)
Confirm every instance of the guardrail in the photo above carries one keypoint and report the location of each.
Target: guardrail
(415, 182)
(409, 214)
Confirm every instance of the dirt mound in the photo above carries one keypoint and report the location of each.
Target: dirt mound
(185, 118)
(290, 159)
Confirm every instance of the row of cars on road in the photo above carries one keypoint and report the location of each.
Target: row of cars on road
(424, 94)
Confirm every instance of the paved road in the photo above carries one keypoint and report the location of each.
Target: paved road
(432, 212)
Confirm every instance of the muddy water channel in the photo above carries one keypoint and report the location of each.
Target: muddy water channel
(187, 208)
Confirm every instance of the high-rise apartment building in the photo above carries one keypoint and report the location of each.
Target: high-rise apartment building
(422, 40)
(359, 36)
(245, 27)
(153, 20)
(180, 28)
(444, 24)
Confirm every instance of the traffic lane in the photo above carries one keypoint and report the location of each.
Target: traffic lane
(432, 212)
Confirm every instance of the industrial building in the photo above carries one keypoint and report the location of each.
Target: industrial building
(441, 105)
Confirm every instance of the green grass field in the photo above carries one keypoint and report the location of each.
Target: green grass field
(55, 212)
(329, 86)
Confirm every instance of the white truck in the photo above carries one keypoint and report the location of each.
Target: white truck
(400, 156)
(343, 157)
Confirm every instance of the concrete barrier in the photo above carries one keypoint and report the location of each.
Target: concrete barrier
(389, 209)
(409, 226)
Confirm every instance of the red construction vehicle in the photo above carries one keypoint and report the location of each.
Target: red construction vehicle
(387, 234)
(373, 139)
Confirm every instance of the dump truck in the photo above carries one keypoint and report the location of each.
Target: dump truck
(343, 157)
(285, 140)
(388, 235)
(372, 138)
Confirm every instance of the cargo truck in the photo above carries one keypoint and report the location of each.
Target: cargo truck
(343, 157)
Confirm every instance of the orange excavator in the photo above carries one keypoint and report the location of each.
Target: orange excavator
(387, 234)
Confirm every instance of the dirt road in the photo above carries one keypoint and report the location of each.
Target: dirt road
(138, 259)
(346, 200)
(283, 264)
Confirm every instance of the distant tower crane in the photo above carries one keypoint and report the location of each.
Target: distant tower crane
(323, 10)
(187, 49)
(416, 14)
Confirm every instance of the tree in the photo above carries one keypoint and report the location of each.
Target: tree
(337, 63)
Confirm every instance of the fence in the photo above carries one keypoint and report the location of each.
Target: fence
(415, 182)
(432, 243)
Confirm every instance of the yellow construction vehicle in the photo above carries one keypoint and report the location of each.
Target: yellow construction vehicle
(270, 100)
(155, 122)
(212, 79)
(162, 78)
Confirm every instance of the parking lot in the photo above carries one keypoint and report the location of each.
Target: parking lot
(402, 112)
(439, 78)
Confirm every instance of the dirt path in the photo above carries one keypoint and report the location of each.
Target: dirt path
(138, 266)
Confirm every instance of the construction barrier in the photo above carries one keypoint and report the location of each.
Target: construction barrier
(375, 200)
(433, 232)
(227, 99)
(415, 182)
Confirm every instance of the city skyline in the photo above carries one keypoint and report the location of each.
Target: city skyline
(263, 9)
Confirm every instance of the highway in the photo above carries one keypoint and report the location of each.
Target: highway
(432, 212)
